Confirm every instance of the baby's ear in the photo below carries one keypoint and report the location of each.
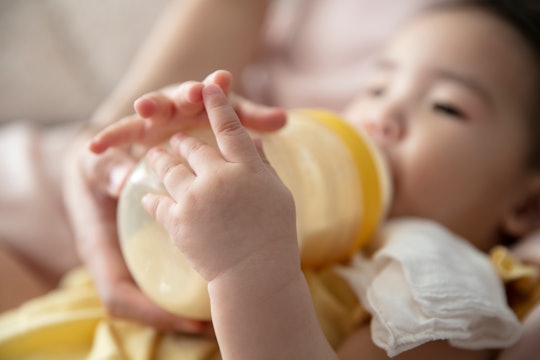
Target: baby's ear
(524, 217)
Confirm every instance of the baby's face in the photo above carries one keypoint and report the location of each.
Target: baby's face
(447, 102)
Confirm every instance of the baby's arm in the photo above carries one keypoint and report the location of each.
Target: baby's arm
(235, 221)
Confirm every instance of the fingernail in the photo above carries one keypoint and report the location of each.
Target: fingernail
(177, 138)
(155, 151)
(145, 106)
(212, 89)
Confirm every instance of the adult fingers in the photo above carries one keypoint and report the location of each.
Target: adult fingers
(155, 106)
(257, 116)
(109, 171)
(126, 131)
(159, 114)
(253, 115)
(124, 299)
(221, 78)
(93, 217)
(180, 107)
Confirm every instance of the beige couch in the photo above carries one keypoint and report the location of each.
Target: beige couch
(59, 58)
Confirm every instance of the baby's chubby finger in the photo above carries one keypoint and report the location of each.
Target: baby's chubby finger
(198, 154)
(233, 140)
(161, 208)
(170, 170)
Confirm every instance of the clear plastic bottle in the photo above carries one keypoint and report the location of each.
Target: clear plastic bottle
(341, 189)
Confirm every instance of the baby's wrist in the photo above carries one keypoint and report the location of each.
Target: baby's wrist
(258, 276)
(265, 305)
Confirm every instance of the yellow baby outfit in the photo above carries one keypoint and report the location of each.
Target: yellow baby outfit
(71, 323)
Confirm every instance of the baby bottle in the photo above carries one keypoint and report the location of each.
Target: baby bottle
(339, 182)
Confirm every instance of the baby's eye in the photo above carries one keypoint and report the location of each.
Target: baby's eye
(375, 91)
(448, 110)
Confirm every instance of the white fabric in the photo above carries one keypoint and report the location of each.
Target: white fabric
(427, 284)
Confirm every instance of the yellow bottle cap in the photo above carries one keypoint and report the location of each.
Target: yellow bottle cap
(375, 182)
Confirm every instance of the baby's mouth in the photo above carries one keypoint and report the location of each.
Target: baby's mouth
(384, 153)
(388, 166)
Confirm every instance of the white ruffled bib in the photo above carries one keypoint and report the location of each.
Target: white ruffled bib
(427, 284)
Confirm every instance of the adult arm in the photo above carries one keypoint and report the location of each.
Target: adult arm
(190, 39)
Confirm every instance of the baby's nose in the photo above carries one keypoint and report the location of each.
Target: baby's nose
(386, 126)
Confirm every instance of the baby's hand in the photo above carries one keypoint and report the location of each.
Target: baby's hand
(227, 205)
(160, 114)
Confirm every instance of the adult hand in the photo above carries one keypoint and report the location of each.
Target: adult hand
(161, 114)
(91, 187)
(92, 183)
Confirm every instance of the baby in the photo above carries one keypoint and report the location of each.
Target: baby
(451, 103)
(455, 129)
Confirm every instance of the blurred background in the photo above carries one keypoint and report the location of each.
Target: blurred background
(60, 58)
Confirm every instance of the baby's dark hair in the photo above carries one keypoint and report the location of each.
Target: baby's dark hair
(523, 16)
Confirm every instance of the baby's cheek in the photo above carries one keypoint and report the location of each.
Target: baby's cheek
(354, 112)
(418, 190)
